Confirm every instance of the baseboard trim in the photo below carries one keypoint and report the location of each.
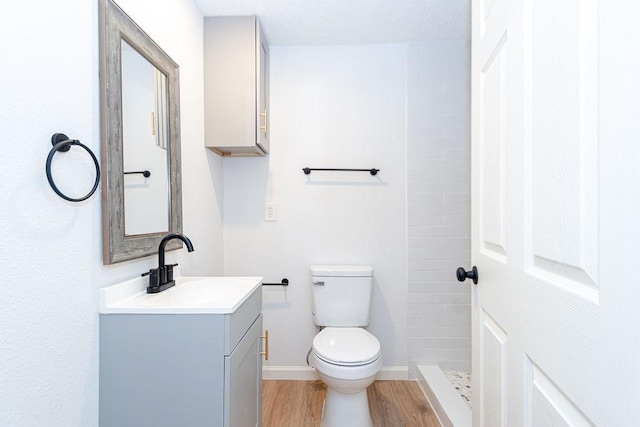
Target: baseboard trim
(307, 373)
(395, 373)
(445, 401)
(299, 373)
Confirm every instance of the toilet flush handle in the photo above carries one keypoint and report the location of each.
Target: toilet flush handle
(318, 283)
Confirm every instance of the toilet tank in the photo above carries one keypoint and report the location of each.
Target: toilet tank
(341, 295)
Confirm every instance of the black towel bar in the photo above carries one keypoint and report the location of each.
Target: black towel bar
(285, 282)
(372, 171)
(146, 174)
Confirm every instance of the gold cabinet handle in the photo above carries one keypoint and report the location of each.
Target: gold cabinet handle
(264, 128)
(265, 353)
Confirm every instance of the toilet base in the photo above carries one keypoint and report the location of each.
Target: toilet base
(341, 409)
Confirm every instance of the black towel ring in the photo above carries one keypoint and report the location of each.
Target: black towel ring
(61, 142)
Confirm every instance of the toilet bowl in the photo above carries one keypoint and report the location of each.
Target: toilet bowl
(346, 356)
(347, 360)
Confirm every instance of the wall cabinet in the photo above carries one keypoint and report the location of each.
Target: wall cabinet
(182, 369)
(236, 85)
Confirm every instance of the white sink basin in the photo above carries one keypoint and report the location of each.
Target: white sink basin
(190, 295)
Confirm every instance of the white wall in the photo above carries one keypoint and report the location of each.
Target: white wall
(330, 107)
(51, 252)
(438, 184)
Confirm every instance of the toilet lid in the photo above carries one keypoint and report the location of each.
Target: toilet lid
(346, 346)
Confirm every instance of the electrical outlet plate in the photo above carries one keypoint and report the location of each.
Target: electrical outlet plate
(270, 213)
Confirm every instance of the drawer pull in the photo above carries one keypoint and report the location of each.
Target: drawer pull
(265, 353)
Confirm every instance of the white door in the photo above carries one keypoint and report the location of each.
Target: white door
(555, 212)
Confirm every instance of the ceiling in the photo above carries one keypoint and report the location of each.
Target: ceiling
(314, 22)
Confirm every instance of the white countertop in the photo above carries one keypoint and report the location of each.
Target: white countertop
(217, 295)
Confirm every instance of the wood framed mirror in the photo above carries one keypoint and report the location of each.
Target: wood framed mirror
(140, 133)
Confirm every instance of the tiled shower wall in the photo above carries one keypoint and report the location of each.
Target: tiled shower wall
(438, 187)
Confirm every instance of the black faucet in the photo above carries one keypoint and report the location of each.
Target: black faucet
(161, 278)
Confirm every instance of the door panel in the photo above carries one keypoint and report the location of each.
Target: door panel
(560, 333)
(560, 327)
(494, 372)
(535, 212)
(563, 227)
(549, 406)
(492, 198)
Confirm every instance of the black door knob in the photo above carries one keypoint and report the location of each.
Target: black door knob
(461, 274)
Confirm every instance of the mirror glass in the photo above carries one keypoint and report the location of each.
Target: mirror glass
(144, 135)
(140, 132)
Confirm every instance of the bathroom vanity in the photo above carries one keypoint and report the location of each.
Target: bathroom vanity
(190, 355)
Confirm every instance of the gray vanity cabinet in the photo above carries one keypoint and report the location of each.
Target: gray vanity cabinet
(243, 381)
(236, 85)
(182, 369)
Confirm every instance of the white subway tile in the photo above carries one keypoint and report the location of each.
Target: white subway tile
(443, 121)
(421, 219)
(415, 320)
(415, 343)
(417, 132)
(431, 331)
(414, 231)
(434, 265)
(414, 253)
(448, 299)
(427, 288)
(444, 231)
(431, 310)
(450, 321)
(414, 276)
(446, 253)
(414, 143)
(449, 343)
(458, 354)
(458, 220)
(427, 153)
(457, 199)
(458, 174)
(462, 132)
(444, 142)
(427, 176)
(434, 354)
(422, 332)
(438, 209)
(413, 187)
(459, 332)
(434, 131)
(455, 309)
(457, 153)
(428, 199)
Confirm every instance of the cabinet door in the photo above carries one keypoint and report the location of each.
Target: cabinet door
(262, 89)
(243, 381)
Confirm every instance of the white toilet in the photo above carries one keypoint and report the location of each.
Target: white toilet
(346, 357)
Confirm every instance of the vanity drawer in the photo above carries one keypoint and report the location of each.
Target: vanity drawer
(238, 323)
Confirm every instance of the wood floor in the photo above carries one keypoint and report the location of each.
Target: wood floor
(299, 404)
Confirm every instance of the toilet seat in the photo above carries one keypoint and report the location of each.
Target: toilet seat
(346, 346)
(344, 372)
